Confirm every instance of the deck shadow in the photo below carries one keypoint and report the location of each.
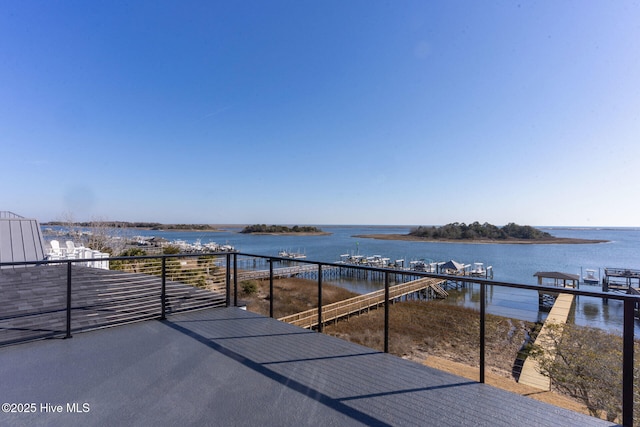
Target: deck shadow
(336, 404)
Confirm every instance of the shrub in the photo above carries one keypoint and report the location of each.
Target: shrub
(171, 250)
(249, 287)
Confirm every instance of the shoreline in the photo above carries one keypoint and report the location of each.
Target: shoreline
(553, 241)
(291, 233)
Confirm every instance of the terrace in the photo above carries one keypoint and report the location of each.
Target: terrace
(184, 354)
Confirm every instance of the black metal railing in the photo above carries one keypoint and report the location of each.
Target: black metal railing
(630, 304)
(157, 273)
(59, 297)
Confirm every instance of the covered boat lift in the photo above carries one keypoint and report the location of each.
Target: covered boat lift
(546, 299)
(560, 279)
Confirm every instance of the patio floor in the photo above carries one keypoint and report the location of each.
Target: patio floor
(230, 367)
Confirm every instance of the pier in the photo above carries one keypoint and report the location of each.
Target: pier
(356, 305)
(278, 273)
(620, 279)
(558, 315)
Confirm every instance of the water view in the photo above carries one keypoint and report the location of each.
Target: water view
(515, 263)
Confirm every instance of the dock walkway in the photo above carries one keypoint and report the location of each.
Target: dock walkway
(308, 319)
(559, 313)
(281, 272)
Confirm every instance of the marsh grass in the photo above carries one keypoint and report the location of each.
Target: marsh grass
(292, 295)
(417, 329)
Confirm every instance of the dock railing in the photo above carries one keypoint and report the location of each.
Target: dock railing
(164, 278)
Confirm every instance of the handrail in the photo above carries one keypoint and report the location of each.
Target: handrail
(630, 301)
(9, 215)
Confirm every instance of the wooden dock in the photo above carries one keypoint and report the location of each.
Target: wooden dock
(559, 313)
(620, 279)
(308, 319)
(282, 272)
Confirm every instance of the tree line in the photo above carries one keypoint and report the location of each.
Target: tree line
(263, 228)
(125, 224)
(462, 231)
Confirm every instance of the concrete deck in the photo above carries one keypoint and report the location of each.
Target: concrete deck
(229, 367)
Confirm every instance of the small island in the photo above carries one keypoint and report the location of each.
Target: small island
(141, 225)
(480, 233)
(281, 229)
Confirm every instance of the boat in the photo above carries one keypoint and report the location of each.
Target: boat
(424, 266)
(377, 261)
(590, 277)
(478, 270)
(291, 255)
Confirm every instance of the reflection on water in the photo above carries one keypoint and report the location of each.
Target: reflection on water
(591, 311)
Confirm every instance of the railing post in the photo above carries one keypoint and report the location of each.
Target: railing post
(270, 287)
(228, 280)
(386, 312)
(235, 280)
(483, 288)
(319, 297)
(163, 291)
(627, 362)
(68, 334)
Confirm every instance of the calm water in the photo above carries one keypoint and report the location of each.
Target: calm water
(511, 263)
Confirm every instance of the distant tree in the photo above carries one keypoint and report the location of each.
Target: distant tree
(133, 252)
(134, 265)
(105, 236)
(462, 231)
(171, 250)
(200, 227)
(263, 228)
(422, 231)
(524, 232)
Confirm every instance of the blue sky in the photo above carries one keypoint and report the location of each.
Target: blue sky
(322, 112)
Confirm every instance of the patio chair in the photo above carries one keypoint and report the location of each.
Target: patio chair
(55, 252)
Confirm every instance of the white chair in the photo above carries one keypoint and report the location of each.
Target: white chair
(56, 252)
(70, 250)
(77, 252)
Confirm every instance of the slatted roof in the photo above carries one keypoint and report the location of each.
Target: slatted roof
(20, 239)
(557, 275)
